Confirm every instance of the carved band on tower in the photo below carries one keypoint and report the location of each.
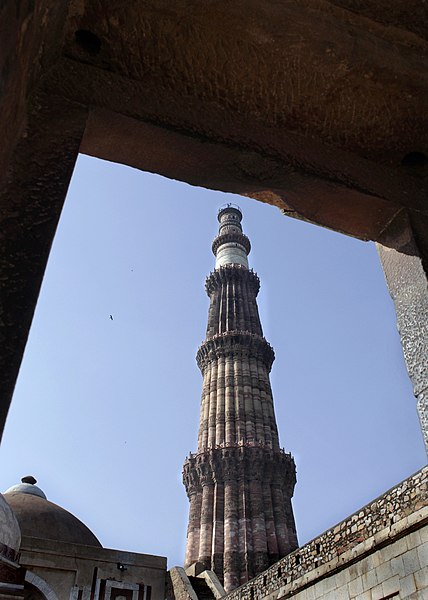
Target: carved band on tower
(239, 483)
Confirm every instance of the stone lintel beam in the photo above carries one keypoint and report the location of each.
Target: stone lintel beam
(349, 78)
(293, 111)
(317, 103)
(242, 171)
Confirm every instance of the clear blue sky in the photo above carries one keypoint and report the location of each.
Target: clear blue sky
(105, 411)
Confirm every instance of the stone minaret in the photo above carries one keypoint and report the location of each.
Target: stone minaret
(240, 482)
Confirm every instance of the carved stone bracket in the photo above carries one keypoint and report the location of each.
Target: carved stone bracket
(235, 343)
(239, 463)
(229, 273)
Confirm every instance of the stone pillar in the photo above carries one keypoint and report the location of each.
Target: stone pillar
(407, 284)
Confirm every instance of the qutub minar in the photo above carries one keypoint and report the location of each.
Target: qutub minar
(240, 482)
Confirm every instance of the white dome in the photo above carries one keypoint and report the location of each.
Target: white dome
(26, 488)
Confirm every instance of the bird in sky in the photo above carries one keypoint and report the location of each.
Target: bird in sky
(111, 317)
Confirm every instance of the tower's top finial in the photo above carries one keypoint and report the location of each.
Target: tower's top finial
(231, 246)
(29, 479)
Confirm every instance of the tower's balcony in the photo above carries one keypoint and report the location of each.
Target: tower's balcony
(237, 344)
(232, 273)
(248, 462)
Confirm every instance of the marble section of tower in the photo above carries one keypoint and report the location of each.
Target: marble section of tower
(239, 482)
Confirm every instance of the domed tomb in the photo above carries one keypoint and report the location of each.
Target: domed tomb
(39, 518)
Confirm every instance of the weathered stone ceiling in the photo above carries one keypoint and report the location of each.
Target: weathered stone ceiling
(316, 106)
(294, 67)
(410, 15)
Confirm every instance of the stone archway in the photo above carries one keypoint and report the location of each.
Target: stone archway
(37, 588)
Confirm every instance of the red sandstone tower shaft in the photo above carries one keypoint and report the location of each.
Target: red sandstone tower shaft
(239, 483)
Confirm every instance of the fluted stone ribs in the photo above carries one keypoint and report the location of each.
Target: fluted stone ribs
(233, 290)
(236, 404)
(239, 482)
(240, 518)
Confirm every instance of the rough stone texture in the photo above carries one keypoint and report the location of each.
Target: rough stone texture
(197, 571)
(380, 550)
(179, 586)
(239, 483)
(407, 283)
(316, 106)
(213, 583)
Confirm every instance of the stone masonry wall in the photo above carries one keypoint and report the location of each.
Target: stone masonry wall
(377, 553)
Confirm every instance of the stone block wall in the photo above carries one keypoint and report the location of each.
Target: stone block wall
(378, 553)
(396, 571)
